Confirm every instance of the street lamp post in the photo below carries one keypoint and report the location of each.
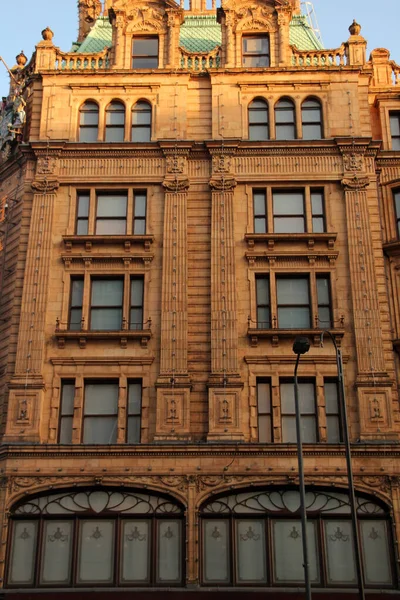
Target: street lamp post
(346, 439)
(301, 346)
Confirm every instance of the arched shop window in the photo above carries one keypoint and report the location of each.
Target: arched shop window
(96, 538)
(254, 538)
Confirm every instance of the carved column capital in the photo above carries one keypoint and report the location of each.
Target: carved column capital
(354, 183)
(223, 184)
(176, 185)
(45, 186)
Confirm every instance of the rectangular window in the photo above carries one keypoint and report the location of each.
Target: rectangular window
(111, 214)
(288, 551)
(251, 552)
(134, 412)
(75, 310)
(106, 304)
(23, 553)
(135, 550)
(255, 51)
(139, 213)
(264, 412)
(333, 428)
(56, 553)
(66, 411)
(395, 129)
(260, 211)
(100, 413)
(318, 211)
(293, 302)
(288, 209)
(396, 196)
(136, 310)
(82, 213)
(216, 551)
(96, 556)
(263, 303)
(324, 302)
(307, 411)
(145, 53)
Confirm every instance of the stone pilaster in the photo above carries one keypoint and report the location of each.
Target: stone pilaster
(224, 384)
(173, 387)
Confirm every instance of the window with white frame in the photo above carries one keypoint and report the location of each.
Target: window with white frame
(394, 118)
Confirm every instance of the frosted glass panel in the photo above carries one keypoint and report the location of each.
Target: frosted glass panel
(23, 552)
(56, 558)
(339, 552)
(375, 546)
(96, 552)
(288, 551)
(135, 545)
(169, 551)
(216, 551)
(251, 559)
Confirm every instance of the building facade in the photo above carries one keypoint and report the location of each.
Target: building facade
(182, 194)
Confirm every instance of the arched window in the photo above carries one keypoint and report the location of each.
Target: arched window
(141, 122)
(285, 120)
(89, 122)
(258, 120)
(96, 537)
(311, 116)
(115, 122)
(254, 538)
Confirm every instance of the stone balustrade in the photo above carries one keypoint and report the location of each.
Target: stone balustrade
(74, 61)
(197, 61)
(396, 72)
(319, 58)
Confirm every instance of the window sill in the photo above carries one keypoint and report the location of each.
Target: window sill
(392, 248)
(82, 337)
(275, 335)
(127, 241)
(309, 240)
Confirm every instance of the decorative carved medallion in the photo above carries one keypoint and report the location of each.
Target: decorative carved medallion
(221, 163)
(176, 164)
(46, 165)
(252, 16)
(353, 162)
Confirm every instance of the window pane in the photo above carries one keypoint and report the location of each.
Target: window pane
(134, 398)
(67, 398)
(101, 398)
(258, 132)
(264, 397)
(145, 46)
(264, 429)
(90, 118)
(88, 134)
(82, 227)
(260, 225)
(106, 319)
(136, 320)
(141, 134)
(317, 203)
(75, 319)
(256, 44)
(396, 143)
(395, 124)
(115, 114)
(169, 551)
(115, 134)
(308, 429)
(323, 290)
(255, 61)
(288, 551)
(312, 132)
(324, 317)
(397, 204)
(100, 430)
(77, 292)
(294, 318)
(287, 398)
(216, 551)
(263, 318)
(289, 225)
(135, 545)
(376, 553)
(339, 552)
(292, 291)
(289, 435)
(259, 203)
(107, 292)
(262, 290)
(333, 429)
(96, 552)
(288, 203)
(251, 555)
(23, 552)
(140, 205)
(285, 132)
(83, 206)
(318, 225)
(134, 433)
(139, 227)
(257, 115)
(306, 398)
(136, 292)
(111, 227)
(65, 436)
(284, 116)
(311, 115)
(57, 544)
(111, 206)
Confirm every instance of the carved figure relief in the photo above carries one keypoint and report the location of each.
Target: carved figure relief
(353, 162)
(46, 165)
(176, 164)
(90, 9)
(254, 16)
(221, 163)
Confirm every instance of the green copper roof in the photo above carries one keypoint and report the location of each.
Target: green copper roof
(98, 37)
(302, 36)
(199, 33)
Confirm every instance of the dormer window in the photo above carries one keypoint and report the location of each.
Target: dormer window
(145, 53)
(255, 51)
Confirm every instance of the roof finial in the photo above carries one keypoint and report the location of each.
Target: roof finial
(355, 28)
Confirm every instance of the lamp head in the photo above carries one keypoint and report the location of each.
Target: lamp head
(301, 345)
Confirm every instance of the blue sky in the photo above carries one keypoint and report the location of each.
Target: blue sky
(23, 23)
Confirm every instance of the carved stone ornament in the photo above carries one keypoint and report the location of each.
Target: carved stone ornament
(46, 165)
(176, 185)
(223, 183)
(176, 164)
(140, 17)
(46, 186)
(47, 34)
(353, 162)
(221, 163)
(90, 9)
(355, 183)
(252, 16)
